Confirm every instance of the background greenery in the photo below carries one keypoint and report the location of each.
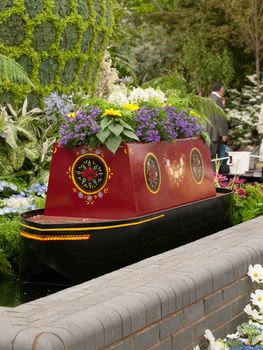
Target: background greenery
(60, 44)
(204, 40)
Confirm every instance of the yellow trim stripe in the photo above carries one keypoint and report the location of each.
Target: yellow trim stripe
(95, 228)
(55, 238)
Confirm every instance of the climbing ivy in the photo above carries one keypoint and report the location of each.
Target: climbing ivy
(60, 43)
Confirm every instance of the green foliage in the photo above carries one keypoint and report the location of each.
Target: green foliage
(163, 28)
(249, 206)
(56, 42)
(11, 71)
(9, 291)
(114, 131)
(26, 140)
(9, 244)
(202, 66)
(248, 198)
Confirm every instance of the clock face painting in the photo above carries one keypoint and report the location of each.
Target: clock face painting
(152, 173)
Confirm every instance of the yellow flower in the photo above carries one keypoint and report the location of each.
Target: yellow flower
(112, 112)
(131, 107)
(194, 114)
(71, 115)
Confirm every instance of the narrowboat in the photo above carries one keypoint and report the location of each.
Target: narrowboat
(102, 206)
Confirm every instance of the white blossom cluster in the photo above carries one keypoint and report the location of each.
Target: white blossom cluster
(136, 96)
(243, 111)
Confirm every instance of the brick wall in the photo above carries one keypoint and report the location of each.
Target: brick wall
(161, 303)
(221, 311)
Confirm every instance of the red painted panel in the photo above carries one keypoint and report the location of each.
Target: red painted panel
(138, 179)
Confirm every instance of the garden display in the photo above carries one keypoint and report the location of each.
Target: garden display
(121, 167)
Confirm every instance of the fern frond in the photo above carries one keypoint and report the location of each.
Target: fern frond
(11, 71)
(205, 106)
(172, 81)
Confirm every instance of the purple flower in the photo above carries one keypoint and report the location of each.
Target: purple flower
(166, 123)
(76, 131)
(56, 105)
(146, 128)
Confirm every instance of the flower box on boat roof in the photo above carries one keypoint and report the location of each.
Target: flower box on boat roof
(125, 159)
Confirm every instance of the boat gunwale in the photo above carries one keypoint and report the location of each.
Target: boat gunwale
(103, 224)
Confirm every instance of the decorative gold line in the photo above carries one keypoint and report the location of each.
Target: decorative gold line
(95, 228)
(145, 178)
(55, 237)
(106, 177)
(203, 172)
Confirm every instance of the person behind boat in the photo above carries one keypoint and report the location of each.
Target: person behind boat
(217, 129)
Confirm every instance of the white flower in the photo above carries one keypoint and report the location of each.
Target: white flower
(196, 347)
(257, 298)
(17, 201)
(118, 97)
(233, 336)
(144, 95)
(253, 313)
(214, 344)
(256, 273)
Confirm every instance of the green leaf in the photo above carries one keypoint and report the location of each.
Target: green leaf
(25, 133)
(113, 142)
(131, 135)
(11, 71)
(10, 135)
(103, 135)
(105, 123)
(32, 151)
(116, 129)
(126, 126)
(17, 156)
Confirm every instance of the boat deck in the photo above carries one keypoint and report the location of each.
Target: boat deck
(41, 218)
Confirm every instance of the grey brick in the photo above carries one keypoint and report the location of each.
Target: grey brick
(238, 262)
(213, 321)
(91, 327)
(239, 304)
(123, 345)
(171, 325)
(45, 338)
(112, 323)
(124, 315)
(193, 313)
(222, 272)
(203, 281)
(213, 302)
(160, 295)
(163, 345)
(175, 285)
(231, 326)
(146, 338)
(182, 339)
(167, 290)
(231, 292)
(136, 309)
(245, 285)
(152, 304)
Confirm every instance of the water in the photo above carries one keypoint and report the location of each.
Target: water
(14, 292)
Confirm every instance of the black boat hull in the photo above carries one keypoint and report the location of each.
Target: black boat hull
(83, 251)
